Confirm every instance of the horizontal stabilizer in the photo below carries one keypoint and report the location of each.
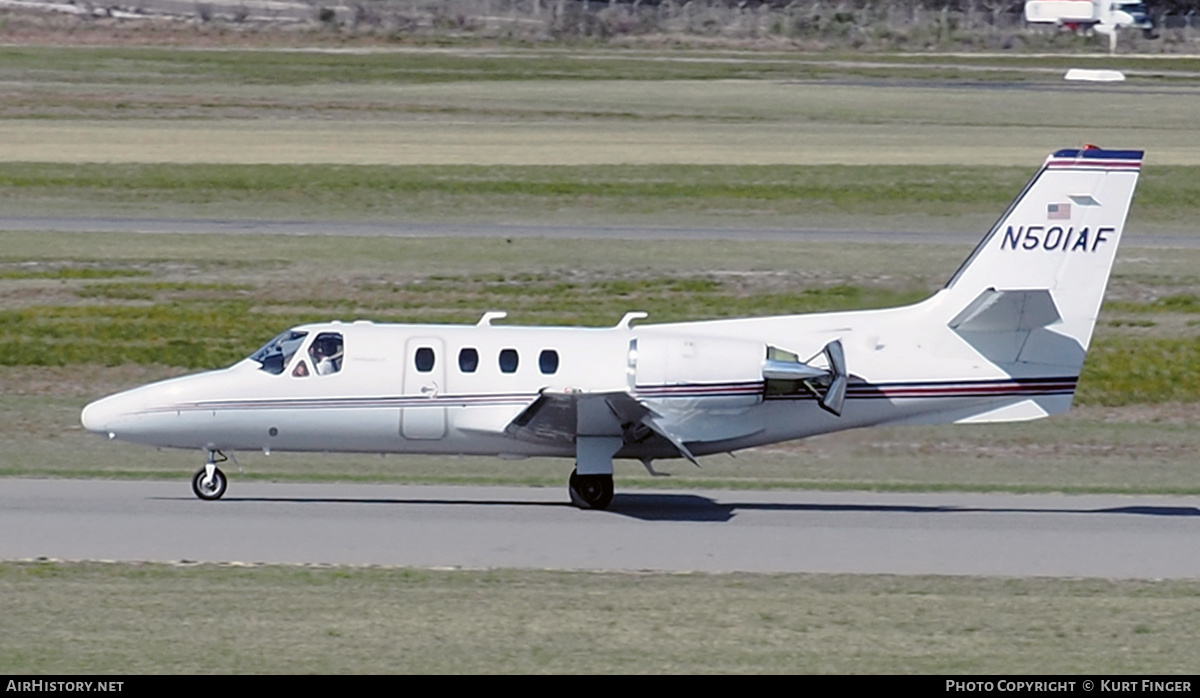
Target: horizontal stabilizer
(1006, 311)
(1011, 328)
(1023, 411)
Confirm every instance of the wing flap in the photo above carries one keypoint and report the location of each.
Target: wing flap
(560, 417)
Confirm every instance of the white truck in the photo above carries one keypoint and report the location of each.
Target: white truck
(1102, 16)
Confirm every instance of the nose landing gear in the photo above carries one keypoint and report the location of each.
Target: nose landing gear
(209, 482)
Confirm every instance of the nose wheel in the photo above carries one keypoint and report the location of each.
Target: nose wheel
(590, 491)
(209, 482)
(209, 486)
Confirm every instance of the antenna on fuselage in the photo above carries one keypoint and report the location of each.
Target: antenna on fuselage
(486, 320)
(627, 321)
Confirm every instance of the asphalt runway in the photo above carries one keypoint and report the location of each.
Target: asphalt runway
(1145, 537)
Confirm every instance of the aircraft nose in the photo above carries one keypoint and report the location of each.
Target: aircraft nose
(101, 416)
(150, 414)
(112, 415)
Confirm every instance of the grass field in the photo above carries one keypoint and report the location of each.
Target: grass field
(854, 197)
(143, 619)
(581, 141)
(418, 107)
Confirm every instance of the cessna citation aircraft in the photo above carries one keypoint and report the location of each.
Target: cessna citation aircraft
(1004, 340)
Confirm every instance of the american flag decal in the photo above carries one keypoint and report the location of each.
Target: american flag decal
(1058, 212)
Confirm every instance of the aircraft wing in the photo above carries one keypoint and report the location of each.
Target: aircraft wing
(562, 416)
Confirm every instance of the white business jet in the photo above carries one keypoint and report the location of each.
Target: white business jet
(1003, 341)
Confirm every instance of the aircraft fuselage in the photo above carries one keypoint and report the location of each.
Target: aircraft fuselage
(1004, 340)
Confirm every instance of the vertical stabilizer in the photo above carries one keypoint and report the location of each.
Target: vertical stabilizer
(1038, 278)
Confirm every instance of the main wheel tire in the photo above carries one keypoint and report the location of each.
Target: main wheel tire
(590, 491)
(212, 490)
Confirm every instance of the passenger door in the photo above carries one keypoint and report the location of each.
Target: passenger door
(424, 380)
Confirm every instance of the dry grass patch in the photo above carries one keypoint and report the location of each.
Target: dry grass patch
(576, 142)
(149, 618)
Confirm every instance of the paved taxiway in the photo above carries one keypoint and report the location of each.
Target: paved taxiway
(760, 531)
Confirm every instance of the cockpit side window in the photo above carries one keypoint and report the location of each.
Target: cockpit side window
(275, 354)
(326, 353)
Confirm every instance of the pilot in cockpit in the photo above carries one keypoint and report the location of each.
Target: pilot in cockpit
(326, 352)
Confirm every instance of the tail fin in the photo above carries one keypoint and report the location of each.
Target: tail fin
(1046, 263)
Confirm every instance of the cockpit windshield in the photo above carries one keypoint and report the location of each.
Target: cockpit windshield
(275, 354)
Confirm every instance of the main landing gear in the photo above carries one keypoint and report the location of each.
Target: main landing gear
(590, 491)
(209, 482)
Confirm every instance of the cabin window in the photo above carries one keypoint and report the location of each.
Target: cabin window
(468, 360)
(424, 359)
(301, 370)
(548, 361)
(275, 355)
(326, 353)
(508, 360)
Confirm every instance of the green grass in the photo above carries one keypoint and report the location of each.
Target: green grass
(1128, 370)
(839, 185)
(145, 619)
(873, 195)
(167, 290)
(220, 324)
(63, 273)
(190, 335)
(355, 263)
(1176, 303)
(311, 189)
